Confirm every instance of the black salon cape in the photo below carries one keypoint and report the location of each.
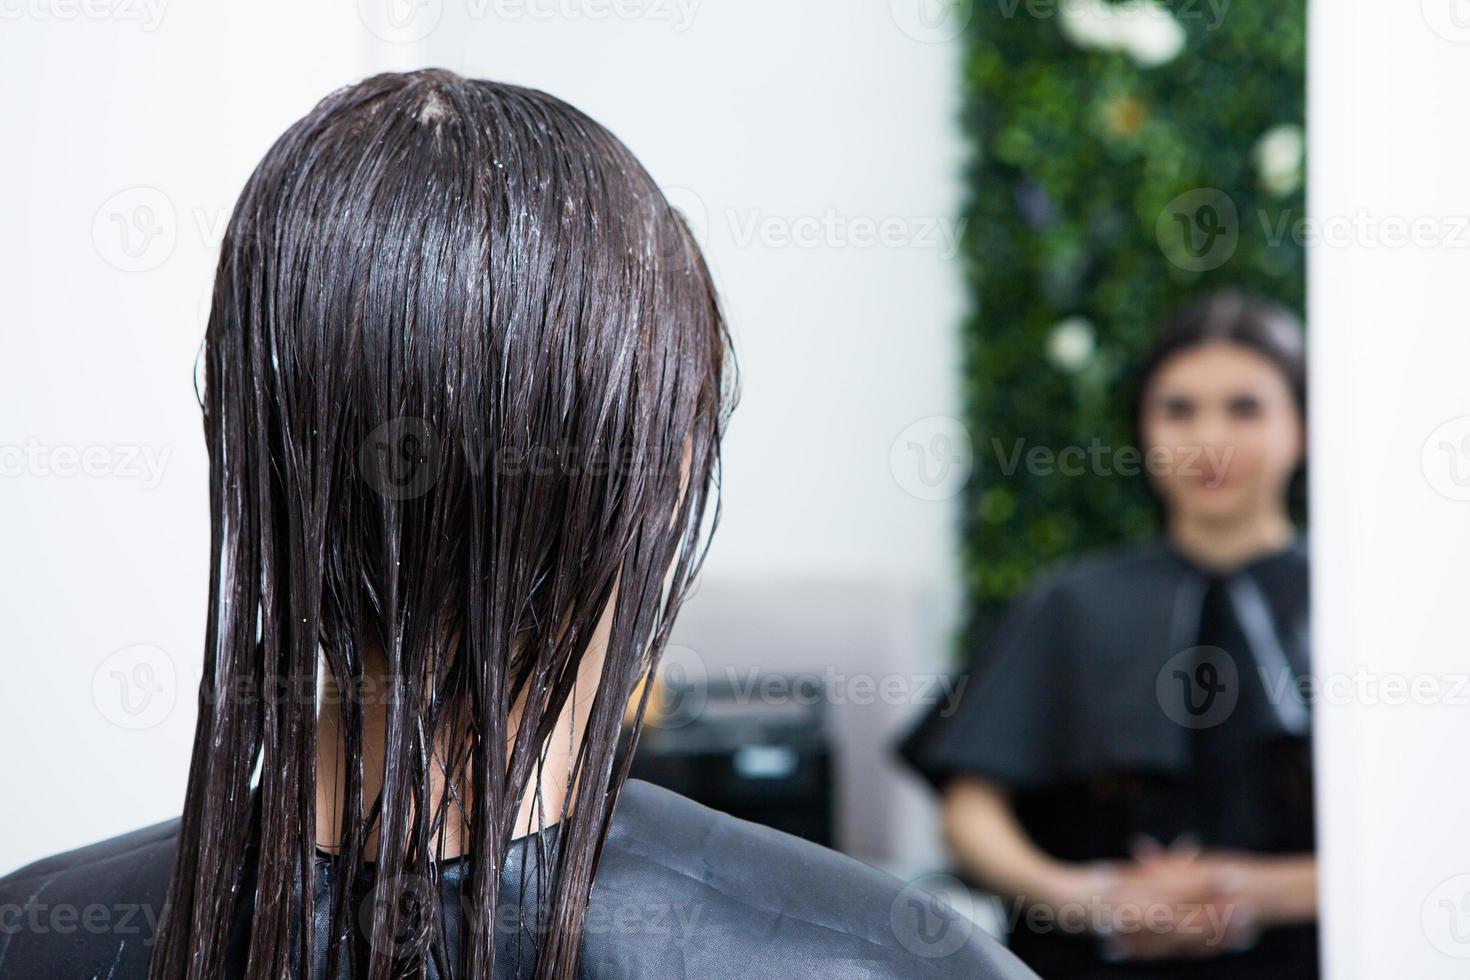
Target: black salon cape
(682, 891)
(1135, 694)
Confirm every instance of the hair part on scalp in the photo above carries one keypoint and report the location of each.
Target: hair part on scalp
(465, 380)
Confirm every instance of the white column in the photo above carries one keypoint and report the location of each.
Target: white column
(1389, 207)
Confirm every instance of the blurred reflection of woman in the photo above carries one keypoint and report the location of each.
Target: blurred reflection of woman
(1130, 761)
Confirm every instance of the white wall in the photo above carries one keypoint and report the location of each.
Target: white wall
(770, 122)
(1390, 153)
(164, 109)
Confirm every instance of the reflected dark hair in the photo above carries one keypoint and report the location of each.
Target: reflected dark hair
(1230, 316)
(1233, 317)
(465, 379)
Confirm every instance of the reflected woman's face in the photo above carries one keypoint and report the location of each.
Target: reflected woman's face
(1223, 430)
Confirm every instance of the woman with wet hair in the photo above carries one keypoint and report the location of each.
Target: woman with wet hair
(1129, 765)
(464, 382)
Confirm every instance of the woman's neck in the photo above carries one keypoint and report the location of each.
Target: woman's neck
(1224, 544)
(541, 804)
(332, 769)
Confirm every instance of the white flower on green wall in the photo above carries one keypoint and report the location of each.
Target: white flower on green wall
(1144, 30)
(1278, 158)
(1071, 344)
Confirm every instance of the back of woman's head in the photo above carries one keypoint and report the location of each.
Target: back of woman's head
(464, 382)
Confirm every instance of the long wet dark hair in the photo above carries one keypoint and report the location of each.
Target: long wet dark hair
(465, 378)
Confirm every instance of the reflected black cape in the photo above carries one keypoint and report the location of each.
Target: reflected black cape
(682, 891)
(1138, 694)
(1077, 680)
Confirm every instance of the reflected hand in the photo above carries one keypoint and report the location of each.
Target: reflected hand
(1178, 903)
